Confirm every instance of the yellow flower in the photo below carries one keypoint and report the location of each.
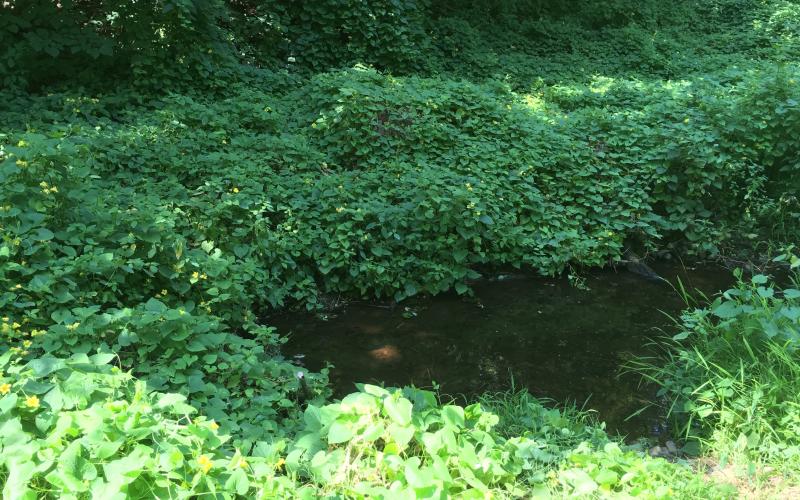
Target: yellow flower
(203, 276)
(164, 291)
(214, 426)
(15, 326)
(22, 163)
(27, 343)
(339, 209)
(32, 402)
(243, 464)
(235, 190)
(73, 326)
(195, 275)
(5, 388)
(280, 463)
(205, 463)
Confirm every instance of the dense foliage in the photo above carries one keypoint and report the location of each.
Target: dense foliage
(172, 170)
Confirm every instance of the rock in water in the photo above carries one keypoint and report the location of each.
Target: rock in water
(635, 265)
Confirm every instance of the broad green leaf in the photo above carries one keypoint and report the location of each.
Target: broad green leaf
(238, 482)
(8, 402)
(155, 306)
(43, 234)
(18, 478)
(45, 365)
(727, 310)
(398, 410)
(401, 434)
(453, 415)
(339, 432)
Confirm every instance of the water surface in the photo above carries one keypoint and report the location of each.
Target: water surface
(558, 341)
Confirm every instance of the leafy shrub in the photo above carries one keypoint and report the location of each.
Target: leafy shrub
(521, 414)
(85, 271)
(79, 427)
(303, 189)
(403, 444)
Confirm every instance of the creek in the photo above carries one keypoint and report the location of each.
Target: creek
(557, 340)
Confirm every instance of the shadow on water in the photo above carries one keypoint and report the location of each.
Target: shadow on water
(558, 341)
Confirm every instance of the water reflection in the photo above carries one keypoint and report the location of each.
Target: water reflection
(554, 339)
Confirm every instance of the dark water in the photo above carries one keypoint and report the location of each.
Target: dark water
(558, 341)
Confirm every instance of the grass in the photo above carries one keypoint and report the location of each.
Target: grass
(731, 379)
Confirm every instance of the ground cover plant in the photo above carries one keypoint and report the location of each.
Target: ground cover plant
(172, 171)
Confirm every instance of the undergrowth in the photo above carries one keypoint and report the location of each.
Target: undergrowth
(172, 171)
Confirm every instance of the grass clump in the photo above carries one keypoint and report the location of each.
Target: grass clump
(731, 378)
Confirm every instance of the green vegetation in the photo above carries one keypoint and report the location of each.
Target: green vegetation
(172, 170)
(731, 376)
(97, 432)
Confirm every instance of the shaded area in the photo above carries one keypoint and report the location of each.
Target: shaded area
(557, 340)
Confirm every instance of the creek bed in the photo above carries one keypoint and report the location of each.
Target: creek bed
(554, 339)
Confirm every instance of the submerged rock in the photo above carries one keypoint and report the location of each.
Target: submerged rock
(636, 265)
(668, 451)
